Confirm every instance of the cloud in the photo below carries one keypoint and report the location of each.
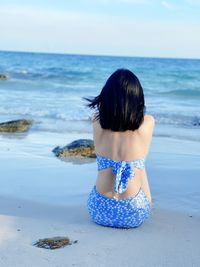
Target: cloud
(167, 5)
(134, 2)
(128, 2)
(193, 2)
(35, 13)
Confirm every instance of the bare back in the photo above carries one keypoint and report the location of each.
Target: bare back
(127, 146)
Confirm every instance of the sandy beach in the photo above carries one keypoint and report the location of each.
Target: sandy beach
(42, 196)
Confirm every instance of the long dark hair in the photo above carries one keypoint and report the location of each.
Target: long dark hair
(120, 105)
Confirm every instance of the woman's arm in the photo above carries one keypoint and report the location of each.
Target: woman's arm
(145, 186)
(147, 131)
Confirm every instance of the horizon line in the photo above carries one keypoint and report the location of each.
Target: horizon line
(98, 55)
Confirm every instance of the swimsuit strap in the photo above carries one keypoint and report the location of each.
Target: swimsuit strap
(123, 170)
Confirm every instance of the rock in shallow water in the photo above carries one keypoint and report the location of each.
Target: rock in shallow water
(15, 126)
(196, 121)
(81, 147)
(54, 242)
(3, 77)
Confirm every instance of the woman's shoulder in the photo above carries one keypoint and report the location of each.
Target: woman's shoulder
(147, 124)
(149, 119)
(95, 122)
(94, 117)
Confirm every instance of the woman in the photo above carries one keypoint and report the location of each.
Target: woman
(122, 136)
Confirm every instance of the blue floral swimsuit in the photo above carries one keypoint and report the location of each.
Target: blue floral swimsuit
(121, 213)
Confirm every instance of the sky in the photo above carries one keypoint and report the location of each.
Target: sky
(149, 28)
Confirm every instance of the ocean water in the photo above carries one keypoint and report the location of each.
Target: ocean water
(49, 88)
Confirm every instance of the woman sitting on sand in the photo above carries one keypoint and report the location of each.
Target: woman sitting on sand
(122, 136)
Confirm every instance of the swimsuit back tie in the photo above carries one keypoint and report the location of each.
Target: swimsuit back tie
(124, 170)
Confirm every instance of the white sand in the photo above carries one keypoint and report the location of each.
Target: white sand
(42, 196)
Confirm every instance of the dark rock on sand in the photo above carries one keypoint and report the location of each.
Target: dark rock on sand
(15, 126)
(3, 77)
(81, 147)
(54, 242)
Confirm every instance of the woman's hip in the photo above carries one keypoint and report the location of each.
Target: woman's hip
(123, 213)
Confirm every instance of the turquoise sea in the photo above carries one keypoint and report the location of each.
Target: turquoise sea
(49, 88)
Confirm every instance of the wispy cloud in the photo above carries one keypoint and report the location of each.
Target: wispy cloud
(193, 2)
(134, 2)
(167, 5)
(128, 2)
